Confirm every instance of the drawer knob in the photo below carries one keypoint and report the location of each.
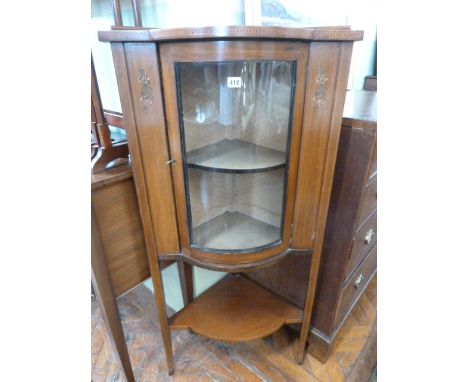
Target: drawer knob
(358, 281)
(369, 236)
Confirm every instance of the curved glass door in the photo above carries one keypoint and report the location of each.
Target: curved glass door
(235, 124)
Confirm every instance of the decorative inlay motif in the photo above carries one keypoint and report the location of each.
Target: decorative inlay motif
(309, 34)
(146, 96)
(320, 97)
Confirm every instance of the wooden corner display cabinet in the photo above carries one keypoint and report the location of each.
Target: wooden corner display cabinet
(233, 134)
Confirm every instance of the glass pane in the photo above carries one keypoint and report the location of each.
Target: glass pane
(235, 128)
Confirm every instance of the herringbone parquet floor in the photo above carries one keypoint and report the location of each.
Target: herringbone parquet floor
(199, 359)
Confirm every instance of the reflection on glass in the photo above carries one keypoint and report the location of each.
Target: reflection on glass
(235, 127)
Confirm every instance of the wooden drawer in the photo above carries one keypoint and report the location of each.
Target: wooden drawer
(356, 284)
(364, 240)
(368, 202)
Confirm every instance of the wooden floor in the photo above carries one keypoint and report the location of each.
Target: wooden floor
(199, 359)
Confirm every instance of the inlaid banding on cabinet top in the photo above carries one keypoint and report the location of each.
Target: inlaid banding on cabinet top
(309, 34)
(236, 155)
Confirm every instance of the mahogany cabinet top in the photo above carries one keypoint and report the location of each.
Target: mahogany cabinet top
(341, 33)
(360, 109)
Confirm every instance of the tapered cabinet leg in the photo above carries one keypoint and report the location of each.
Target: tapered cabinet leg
(186, 280)
(309, 301)
(162, 313)
(106, 299)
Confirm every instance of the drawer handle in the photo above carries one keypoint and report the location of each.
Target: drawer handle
(358, 281)
(369, 236)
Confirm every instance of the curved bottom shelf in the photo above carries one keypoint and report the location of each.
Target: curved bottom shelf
(236, 310)
(234, 231)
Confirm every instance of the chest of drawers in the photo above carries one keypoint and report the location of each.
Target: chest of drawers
(349, 260)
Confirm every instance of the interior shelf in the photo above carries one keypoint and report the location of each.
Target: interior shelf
(236, 156)
(236, 309)
(234, 231)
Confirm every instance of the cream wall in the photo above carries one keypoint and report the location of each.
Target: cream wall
(203, 279)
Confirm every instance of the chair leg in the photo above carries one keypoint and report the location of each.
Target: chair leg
(105, 297)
